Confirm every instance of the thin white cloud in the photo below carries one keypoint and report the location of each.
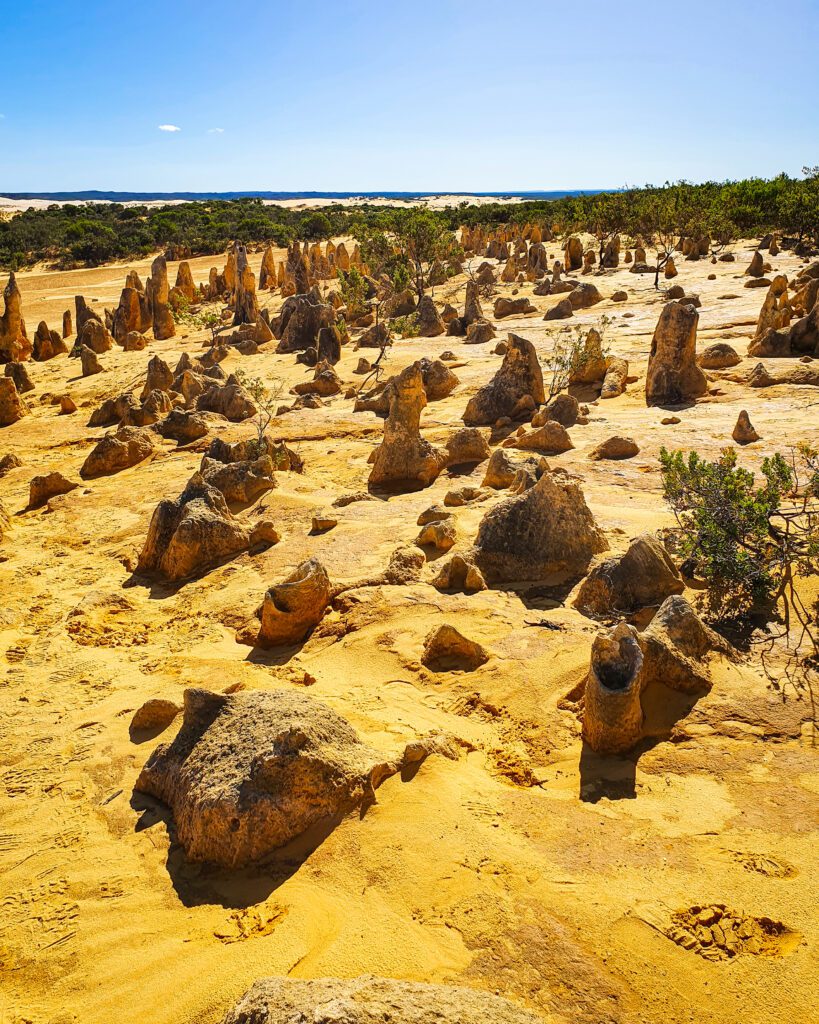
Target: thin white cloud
(169, 128)
(216, 131)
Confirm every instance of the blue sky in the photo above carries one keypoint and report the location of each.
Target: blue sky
(423, 96)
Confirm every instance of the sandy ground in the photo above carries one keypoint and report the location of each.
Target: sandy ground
(527, 867)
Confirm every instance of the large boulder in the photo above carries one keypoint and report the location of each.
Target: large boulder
(519, 375)
(95, 336)
(294, 607)
(643, 576)
(127, 447)
(673, 377)
(404, 458)
(251, 771)
(370, 1000)
(547, 529)
(195, 532)
(430, 324)
(20, 375)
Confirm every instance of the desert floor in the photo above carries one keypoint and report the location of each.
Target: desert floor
(528, 866)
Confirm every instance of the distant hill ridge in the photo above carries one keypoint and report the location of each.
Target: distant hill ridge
(144, 197)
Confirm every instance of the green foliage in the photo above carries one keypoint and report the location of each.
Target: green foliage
(399, 242)
(405, 326)
(353, 290)
(403, 243)
(266, 395)
(569, 356)
(725, 524)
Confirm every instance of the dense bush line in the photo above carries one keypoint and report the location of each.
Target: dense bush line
(95, 234)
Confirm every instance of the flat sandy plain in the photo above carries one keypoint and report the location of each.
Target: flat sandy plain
(526, 867)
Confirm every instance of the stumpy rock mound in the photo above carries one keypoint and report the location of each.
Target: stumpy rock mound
(673, 376)
(519, 375)
(547, 529)
(643, 576)
(251, 771)
(404, 459)
(370, 1000)
(195, 532)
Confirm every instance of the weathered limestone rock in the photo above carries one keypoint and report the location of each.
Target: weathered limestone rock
(249, 772)
(592, 364)
(196, 531)
(460, 574)
(94, 336)
(246, 308)
(743, 432)
(642, 577)
(42, 488)
(446, 649)
(404, 458)
(267, 271)
(718, 356)
(47, 343)
(676, 646)
(573, 253)
(584, 296)
(612, 714)
(546, 529)
(518, 375)
(472, 305)
(84, 313)
(158, 377)
(430, 324)
(158, 291)
(325, 382)
(68, 329)
(328, 345)
(299, 322)
(229, 400)
(440, 534)
(512, 307)
(370, 1000)
(14, 343)
(549, 439)
(293, 608)
(154, 715)
(614, 383)
(479, 332)
(467, 445)
(89, 362)
(776, 312)
(184, 281)
(615, 447)
(563, 409)
(132, 315)
(673, 376)
(502, 469)
(19, 374)
(120, 450)
(756, 268)
(670, 269)
(184, 426)
(562, 311)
